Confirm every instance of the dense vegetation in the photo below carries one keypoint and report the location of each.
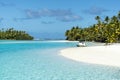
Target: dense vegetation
(107, 30)
(11, 34)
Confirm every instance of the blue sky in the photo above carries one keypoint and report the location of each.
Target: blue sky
(51, 18)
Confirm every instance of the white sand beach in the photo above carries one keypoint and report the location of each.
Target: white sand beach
(104, 55)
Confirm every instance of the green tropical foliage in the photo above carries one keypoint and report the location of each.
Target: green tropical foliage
(107, 30)
(11, 34)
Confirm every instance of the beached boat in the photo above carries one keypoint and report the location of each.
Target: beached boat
(81, 44)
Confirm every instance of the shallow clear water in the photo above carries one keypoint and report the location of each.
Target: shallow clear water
(36, 60)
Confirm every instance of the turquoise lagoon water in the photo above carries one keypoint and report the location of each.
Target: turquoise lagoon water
(40, 60)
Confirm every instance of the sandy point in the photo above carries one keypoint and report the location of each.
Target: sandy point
(104, 55)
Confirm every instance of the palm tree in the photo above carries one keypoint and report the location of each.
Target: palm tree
(107, 19)
(98, 19)
(118, 15)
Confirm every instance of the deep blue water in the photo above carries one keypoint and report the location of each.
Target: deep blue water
(40, 60)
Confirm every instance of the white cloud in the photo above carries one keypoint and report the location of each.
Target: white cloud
(95, 10)
(58, 14)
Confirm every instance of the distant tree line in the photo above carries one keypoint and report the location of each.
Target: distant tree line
(12, 34)
(107, 30)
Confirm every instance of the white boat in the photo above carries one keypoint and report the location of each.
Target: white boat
(81, 44)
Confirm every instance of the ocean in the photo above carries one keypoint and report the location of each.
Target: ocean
(40, 60)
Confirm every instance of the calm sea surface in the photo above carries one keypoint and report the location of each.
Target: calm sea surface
(40, 60)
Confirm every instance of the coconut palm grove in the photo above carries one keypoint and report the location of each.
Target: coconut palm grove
(106, 30)
(12, 34)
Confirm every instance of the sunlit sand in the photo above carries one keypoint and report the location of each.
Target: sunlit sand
(104, 55)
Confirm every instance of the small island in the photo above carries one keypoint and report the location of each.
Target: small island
(12, 34)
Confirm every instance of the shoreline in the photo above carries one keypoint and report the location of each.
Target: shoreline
(103, 55)
(34, 41)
